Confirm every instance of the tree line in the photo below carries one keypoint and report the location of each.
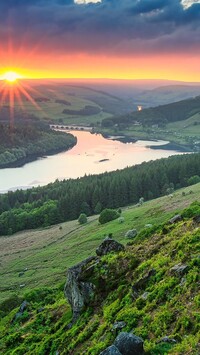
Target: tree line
(30, 139)
(62, 201)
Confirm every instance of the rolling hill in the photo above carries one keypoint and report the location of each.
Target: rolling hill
(160, 306)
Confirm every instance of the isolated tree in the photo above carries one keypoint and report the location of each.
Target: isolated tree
(82, 218)
(108, 215)
(194, 180)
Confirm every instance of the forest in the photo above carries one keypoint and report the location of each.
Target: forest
(62, 201)
(27, 138)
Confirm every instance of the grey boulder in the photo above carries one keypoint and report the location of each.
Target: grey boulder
(109, 245)
(129, 344)
(111, 350)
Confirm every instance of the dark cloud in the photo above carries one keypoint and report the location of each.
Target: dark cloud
(112, 26)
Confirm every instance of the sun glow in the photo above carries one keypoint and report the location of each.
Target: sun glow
(11, 76)
(17, 95)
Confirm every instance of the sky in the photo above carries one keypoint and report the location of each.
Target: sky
(117, 39)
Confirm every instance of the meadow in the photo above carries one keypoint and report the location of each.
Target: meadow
(38, 258)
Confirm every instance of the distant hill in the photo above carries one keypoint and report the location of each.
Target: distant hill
(166, 94)
(177, 111)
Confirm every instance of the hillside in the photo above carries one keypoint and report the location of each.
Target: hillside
(65, 200)
(163, 304)
(67, 102)
(176, 111)
(166, 94)
(178, 122)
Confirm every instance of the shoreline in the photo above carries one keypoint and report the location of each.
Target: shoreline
(34, 157)
(168, 146)
(121, 138)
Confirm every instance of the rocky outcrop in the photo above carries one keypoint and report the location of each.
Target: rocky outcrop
(175, 219)
(23, 307)
(109, 245)
(179, 269)
(125, 344)
(78, 290)
(111, 350)
(129, 344)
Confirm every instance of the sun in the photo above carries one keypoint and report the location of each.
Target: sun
(11, 76)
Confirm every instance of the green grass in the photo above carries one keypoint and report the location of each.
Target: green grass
(78, 98)
(172, 303)
(185, 132)
(47, 253)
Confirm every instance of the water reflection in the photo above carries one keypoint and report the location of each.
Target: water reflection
(93, 154)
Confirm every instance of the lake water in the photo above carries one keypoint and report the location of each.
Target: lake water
(93, 154)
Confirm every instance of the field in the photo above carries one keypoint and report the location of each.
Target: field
(35, 258)
(49, 100)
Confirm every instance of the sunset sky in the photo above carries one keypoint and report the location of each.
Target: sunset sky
(126, 39)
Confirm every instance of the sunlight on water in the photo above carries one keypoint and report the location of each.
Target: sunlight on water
(93, 154)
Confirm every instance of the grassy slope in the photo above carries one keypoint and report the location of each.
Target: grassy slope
(183, 125)
(171, 309)
(47, 253)
(78, 97)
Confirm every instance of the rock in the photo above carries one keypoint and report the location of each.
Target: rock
(167, 340)
(175, 219)
(145, 296)
(21, 273)
(179, 269)
(141, 283)
(119, 325)
(78, 291)
(183, 281)
(109, 245)
(23, 306)
(131, 233)
(196, 219)
(148, 225)
(22, 285)
(111, 350)
(129, 344)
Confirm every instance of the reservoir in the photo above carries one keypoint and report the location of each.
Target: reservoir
(92, 154)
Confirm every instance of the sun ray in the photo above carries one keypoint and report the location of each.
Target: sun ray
(29, 97)
(19, 98)
(11, 106)
(27, 86)
(4, 95)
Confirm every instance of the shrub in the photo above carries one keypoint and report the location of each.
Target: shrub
(82, 218)
(131, 233)
(108, 215)
(193, 180)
